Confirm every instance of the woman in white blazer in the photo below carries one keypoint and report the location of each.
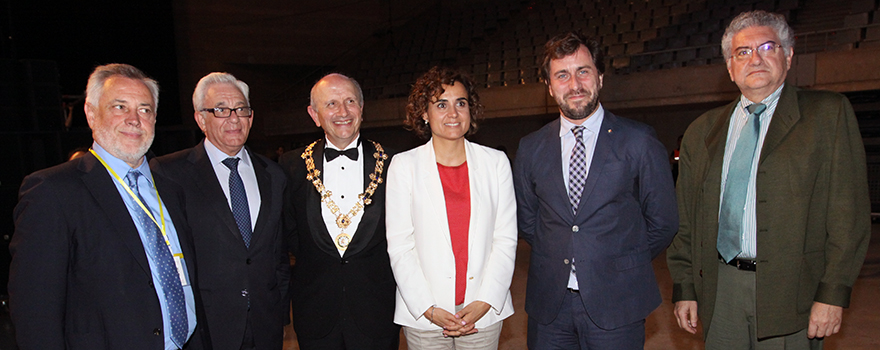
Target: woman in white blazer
(450, 222)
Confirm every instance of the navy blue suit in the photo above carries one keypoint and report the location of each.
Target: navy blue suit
(626, 217)
(79, 277)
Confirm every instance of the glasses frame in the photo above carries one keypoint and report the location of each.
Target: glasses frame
(745, 54)
(215, 110)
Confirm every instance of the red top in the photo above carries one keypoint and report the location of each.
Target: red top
(458, 212)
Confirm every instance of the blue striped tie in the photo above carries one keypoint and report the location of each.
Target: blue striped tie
(237, 195)
(736, 188)
(169, 279)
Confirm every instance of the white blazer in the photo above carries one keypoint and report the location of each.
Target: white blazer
(418, 235)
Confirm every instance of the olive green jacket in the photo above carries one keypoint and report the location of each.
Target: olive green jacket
(812, 207)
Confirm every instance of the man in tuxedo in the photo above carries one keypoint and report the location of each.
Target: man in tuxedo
(342, 286)
(595, 201)
(774, 206)
(101, 256)
(234, 204)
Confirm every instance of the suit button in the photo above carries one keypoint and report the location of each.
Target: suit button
(575, 228)
(701, 273)
(248, 261)
(157, 331)
(343, 261)
(244, 292)
(566, 261)
(151, 284)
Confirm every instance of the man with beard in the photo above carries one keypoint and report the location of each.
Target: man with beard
(101, 256)
(596, 203)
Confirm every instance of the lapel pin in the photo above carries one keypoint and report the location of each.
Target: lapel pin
(609, 131)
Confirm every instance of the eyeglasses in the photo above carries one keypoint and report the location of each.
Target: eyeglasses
(743, 54)
(223, 112)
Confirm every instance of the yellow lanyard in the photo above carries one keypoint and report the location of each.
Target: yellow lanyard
(137, 200)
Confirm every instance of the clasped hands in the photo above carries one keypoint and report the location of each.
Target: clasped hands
(462, 322)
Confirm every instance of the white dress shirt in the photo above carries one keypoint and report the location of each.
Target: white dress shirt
(345, 178)
(737, 121)
(245, 170)
(591, 131)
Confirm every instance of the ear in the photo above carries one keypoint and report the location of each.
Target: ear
(788, 59)
(601, 80)
(200, 119)
(314, 114)
(91, 114)
(729, 70)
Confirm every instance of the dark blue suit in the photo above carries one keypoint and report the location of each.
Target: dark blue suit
(626, 217)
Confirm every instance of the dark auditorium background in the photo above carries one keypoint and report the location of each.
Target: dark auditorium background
(663, 59)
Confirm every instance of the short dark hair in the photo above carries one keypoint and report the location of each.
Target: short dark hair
(566, 44)
(430, 86)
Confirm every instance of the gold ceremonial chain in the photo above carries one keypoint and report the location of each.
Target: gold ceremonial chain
(314, 175)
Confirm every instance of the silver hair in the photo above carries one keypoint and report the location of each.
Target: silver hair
(759, 18)
(217, 78)
(95, 87)
(353, 82)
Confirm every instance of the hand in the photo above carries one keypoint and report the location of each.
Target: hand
(825, 320)
(442, 318)
(468, 317)
(686, 315)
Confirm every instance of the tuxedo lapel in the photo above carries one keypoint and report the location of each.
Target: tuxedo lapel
(210, 189)
(104, 191)
(319, 231)
(373, 211)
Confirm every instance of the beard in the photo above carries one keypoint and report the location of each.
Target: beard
(108, 139)
(581, 112)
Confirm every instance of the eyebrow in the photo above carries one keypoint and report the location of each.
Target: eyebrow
(759, 45)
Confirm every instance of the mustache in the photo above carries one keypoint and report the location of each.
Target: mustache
(576, 92)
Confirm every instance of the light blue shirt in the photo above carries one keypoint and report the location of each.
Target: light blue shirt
(148, 192)
(590, 135)
(738, 120)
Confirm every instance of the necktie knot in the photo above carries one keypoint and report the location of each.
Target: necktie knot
(332, 153)
(578, 131)
(756, 108)
(231, 163)
(132, 179)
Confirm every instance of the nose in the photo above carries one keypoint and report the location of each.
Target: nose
(575, 84)
(756, 58)
(132, 118)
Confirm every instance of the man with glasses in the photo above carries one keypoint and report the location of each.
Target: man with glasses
(233, 204)
(773, 200)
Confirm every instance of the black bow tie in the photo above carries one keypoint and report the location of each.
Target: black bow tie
(331, 153)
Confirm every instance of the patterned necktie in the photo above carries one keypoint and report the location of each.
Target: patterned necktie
(237, 195)
(160, 254)
(577, 168)
(736, 188)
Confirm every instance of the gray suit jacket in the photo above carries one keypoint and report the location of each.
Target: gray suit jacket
(813, 210)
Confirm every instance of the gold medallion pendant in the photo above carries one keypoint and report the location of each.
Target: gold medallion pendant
(343, 220)
(342, 241)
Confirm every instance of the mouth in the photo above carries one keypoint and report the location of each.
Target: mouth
(343, 122)
(452, 124)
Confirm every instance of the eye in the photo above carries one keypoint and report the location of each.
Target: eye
(583, 72)
(743, 52)
(767, 47)
(119, 107)
(145, 111)
(462, 103)
(441, 105)
(562, 76)
(351, 101)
